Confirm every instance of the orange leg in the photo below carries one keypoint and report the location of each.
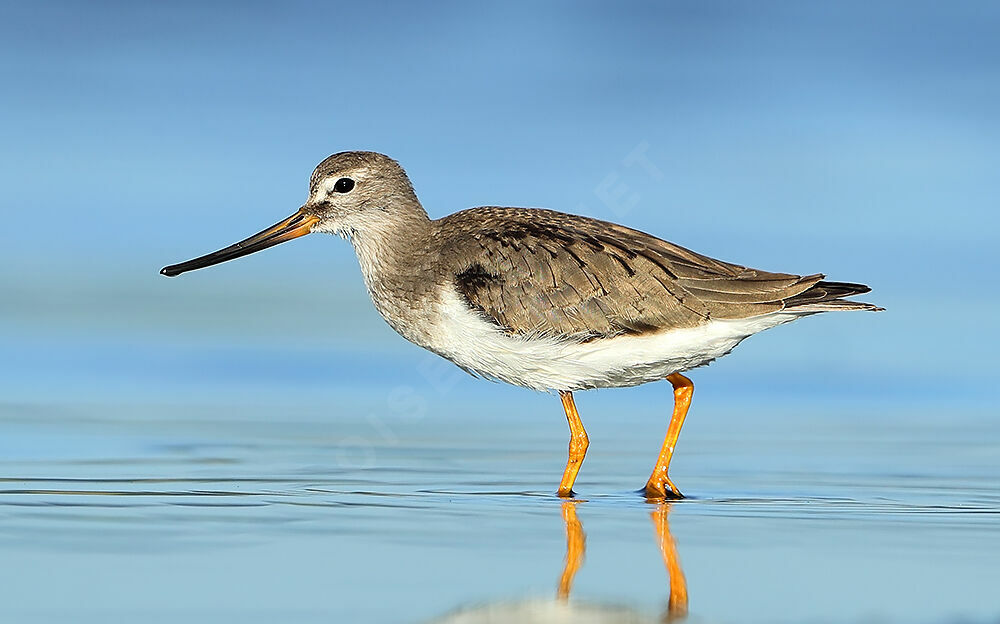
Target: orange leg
(659, 485)
(677, 604)
(576, 543)
(578, 443)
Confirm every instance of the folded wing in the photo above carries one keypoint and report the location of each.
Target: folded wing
(535, 271)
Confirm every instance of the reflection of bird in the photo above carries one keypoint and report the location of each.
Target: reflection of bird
(562, 609)
(576, 546)
(542, 299)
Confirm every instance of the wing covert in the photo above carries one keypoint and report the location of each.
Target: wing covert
(534, 271)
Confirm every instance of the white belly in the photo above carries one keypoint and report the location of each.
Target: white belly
(546, 363)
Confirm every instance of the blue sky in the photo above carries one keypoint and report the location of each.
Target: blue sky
(858, 139)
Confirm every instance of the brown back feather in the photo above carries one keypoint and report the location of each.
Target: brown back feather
(541, 271)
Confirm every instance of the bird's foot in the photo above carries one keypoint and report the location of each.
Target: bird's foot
(661, 490)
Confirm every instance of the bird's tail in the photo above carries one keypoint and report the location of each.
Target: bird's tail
(829, 296)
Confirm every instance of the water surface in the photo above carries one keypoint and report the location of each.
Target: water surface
(293, 512)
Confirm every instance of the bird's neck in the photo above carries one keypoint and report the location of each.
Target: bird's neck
(391, 251)
(386, 238)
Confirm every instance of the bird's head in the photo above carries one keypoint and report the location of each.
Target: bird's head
(349, 192)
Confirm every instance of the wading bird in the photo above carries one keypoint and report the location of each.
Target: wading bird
(543, 299)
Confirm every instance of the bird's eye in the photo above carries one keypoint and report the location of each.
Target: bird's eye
(343, 185)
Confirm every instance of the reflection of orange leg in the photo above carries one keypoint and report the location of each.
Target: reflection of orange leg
(576, 542)
(677, 605)
(578, 443)
(659, 485)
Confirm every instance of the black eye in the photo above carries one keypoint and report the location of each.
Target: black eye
(344, 185)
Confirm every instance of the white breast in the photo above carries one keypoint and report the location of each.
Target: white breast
(547, 363)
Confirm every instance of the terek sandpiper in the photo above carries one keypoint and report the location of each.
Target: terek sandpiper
(543, 299)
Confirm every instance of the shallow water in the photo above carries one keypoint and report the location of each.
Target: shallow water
(205, 512)
(192, 473)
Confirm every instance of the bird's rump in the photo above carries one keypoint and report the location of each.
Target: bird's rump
(534, 271)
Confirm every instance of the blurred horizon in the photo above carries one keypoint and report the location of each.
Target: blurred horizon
(859, 140)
